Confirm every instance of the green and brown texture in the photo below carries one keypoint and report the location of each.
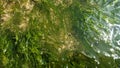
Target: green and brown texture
(59, 33)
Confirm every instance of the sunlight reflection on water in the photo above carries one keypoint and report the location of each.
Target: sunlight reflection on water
(113, 37)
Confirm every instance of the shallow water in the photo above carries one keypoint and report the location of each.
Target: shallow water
(106, 22)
